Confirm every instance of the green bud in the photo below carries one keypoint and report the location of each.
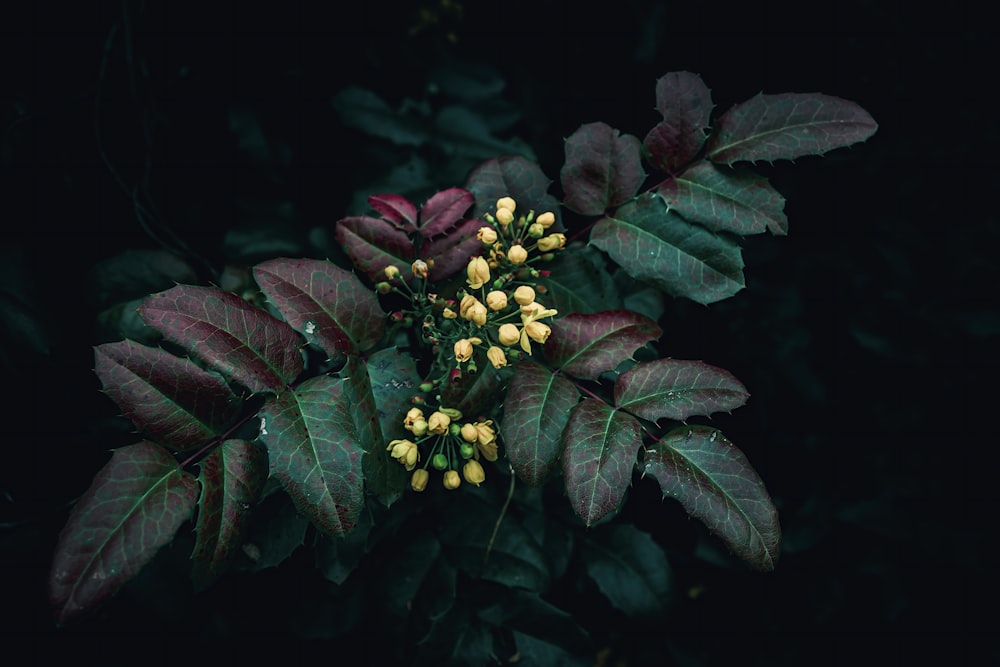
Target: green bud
(498, 283)
(426, 386)
(383, 288)
(439, 461)
(455, 429)
(454, 413)
(466, 450)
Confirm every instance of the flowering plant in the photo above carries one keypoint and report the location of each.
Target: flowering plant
(494, 335)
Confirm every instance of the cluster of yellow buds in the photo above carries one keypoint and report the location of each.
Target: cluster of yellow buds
(511, 239)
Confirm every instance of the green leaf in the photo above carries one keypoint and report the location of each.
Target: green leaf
(338, 557)
(726, 199)
(715, 483)
(656, 245)
(629, 568)
(677, 389)
(373, 244)
(364, 110)
(476, 394)
(787, 126)
(460, 132)
(685, 103)
(230, 335)
(512, 176)
(586, 345)
(325, 303)
(274, 532)
(394, 381)
(133, 507)
(579, 282)
(170, 399)
(315, 448)
(528, 614)
(599, 451)
(536, 409)
(231, 478)
(603, 169)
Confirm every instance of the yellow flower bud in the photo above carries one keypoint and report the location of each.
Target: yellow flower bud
(552, 242)
(391, 272)
(508, 334)
(469, 432)
(478, 272)
(418, 482)
(438, 422)
(476, 314)
(546, 219)
(488, 450)
(419, 268)
(452, 480)
(467, 302)
(487, 235)
(517, 254)
(404, 451)
(449, 314)
(496, 357)
(496, 300)
(505, 216)
(473, 472)
(411, 416)
(419, 427)
(463, 350)
(506, 203)
(485, 433)
(524, 295)
(537, 331)
(536, 231)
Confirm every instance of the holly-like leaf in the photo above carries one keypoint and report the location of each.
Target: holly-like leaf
(443, 210)
(394, 381)
(536, 409)
(686, 105)
(512, 176)
(170, 399)
(230, 335)
(603, 169)
(629, 568)
(315, 450)
(787, 126)
(715, 483)
(452, 251)
(586, 345)
(399, 211)
(579, 282)
(231, 478)
(725, 199)
(660, 247)
(325, 303)
(373, 244)
(599, 450)
(677, 389)
(133, 507)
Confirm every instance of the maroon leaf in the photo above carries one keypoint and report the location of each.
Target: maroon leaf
(233, 337)
(443, 210)
(512, 176)
(686, 105)
(603, 169)
(599, 451)
(170, 399)
(586, 345)
(397, 210)
(451, 252)
(325, 303)
(787, 126)
(133, 507)
(677, 389)
(536, 409)
(712, 479)
(231, 477)
(725, 199)
(374, 244)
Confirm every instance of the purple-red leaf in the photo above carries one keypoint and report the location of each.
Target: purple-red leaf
(240, 341)
(452, 251)
(231, 477)
(787, 126)
(374, 244)
(603, 169)
(599, 451)
(677, 389)
(133, 507)
(536, 409)
(399, 211)
(443, 210)
(725, 199)
(586, 345)
(686, 105)
(512, 176)
(661, 248)
(170, 399)
(325, 303)
(715, 483)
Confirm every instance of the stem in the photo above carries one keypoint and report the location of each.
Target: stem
(503, 511)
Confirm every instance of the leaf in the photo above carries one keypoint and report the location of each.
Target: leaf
(512, 176)
(452, 251)
(170, 399)
(629, 568)
(599, 450)
(394, 381)
(338, 557)
(712, 479)
(579, 282)
(230, 335)
(364, 110)
(656, 245)
(397, 210)
(530, 615)
(133, 507)
(315, 450)
(724, 199)
(677, 389)
(274, 532)
(373, 244)
(536, 409)
(787, 126)
(477, 394)
(231, 478)
(325, 303)
(443, 210)
(685, 103)
(586, 345)
(603, 169)
(467, 136)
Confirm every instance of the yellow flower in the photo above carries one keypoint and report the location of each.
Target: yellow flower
(552, 242)
(476, 314)
(508, 334)
(487, 235)
(505, 216)
(478, 272)
(517, 254)
(546, 219)
(391, 271)
(473, 473)
(464, 349)
(449, 314)
(405, 451)
(524, 295)
(413, 415)
(467, 302)
(496, 357)
(469, 432)
(419, 428)
(537, 331)
(486, 439)
(536, 311)
(506, 203)
(452, 480)
(418, 482)
(496, 300)
(438, 423)
(420, 268)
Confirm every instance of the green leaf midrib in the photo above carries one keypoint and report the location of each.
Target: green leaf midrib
(754, 137)
(355, 344)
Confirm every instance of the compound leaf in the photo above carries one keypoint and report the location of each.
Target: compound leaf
(394, 381)
(373, 244)
(677, 389)
(603, 169)
(586, 345)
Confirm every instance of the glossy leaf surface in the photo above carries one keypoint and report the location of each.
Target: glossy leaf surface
(586, 345)
(677, 389)
(685, 103)
(443, 211)
(133, 507)
(373, 244)
(603, 169)
(715, 483)
(398, 210)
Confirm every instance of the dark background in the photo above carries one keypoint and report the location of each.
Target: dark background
(865, 337)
